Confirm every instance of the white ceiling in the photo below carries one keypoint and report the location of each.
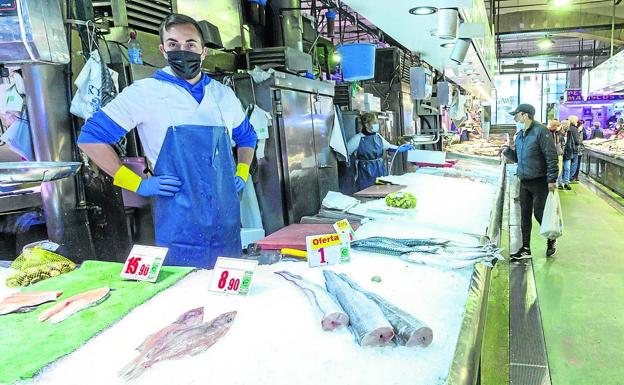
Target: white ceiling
(414, 32)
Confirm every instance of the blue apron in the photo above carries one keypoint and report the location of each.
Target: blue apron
(370, 163)
(202, 221)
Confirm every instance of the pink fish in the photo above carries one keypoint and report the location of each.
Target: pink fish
(73, 305)
(27, 301)
(178, 342)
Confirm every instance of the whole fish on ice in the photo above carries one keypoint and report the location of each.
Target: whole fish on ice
(409, 330)
(333, 316)
(27, 301)
(73, 305)
(179, 343)
(367, 320)
(190, 318)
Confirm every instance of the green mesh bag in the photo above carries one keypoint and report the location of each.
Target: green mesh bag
(36, 264)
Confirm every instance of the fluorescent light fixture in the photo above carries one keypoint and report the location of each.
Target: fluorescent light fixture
(545, 43)
(423, 11)
(448, 45)
(561, 3)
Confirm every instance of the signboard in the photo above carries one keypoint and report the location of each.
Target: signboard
(323, 249)
(144, 263)
(232, 276)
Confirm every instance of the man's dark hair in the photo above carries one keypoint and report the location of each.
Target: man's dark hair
(178, 19)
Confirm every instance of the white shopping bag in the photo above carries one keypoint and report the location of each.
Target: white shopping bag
(88, 97)
(552, 221)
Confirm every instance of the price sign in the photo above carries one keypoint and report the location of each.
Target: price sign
(347, 235)
(232, 276)
(144, 263)
(323, 249)
(344, 226)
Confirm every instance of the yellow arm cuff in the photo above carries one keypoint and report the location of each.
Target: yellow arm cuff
(126, 178)
(242, 170)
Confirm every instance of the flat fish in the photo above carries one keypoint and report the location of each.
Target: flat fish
(409, 330)
(333, 316)
(73, 305)
(27, 301)
(186, 341)
(190, 318)
(367, 320)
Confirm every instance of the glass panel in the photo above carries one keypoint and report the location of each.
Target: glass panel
(506, 98)
(531, 92)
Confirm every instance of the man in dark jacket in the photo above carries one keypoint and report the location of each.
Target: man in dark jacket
(576, 146)
(536, 157)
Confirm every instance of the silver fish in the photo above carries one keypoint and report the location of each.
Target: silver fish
(437, 260)
(409, 330)
(183, 342)
(333, 316)
(367, 320)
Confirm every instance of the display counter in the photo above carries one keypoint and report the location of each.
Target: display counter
(604, 168)
(276, 336)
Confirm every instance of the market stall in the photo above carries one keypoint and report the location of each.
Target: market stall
(275, 335)
(603, 160)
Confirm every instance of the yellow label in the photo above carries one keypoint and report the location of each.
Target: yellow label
(322, 241)
(343, 225)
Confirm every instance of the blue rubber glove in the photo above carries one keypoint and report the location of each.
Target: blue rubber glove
(239, 183)
(162, 185)
(405, 148)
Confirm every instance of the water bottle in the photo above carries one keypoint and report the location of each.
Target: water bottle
(135, 54)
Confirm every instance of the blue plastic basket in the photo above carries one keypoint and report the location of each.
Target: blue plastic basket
(357, 61)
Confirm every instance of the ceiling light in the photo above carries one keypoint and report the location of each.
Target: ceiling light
(448, 19)
(561, 3)
(545, 43)
(423, 11)
(447, 45)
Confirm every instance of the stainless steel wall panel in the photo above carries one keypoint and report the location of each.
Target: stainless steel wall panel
(323, 121)
(298, 155)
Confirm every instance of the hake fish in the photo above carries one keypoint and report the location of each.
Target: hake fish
(409, 330)
(367, 320)
(179, 342)
(27, 301)
(73, 305)
(333, 316)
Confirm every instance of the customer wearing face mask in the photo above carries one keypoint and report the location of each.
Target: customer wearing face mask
(186, 122)
(368, 146)
(536, 156)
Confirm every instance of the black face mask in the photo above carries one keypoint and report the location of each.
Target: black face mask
(185, 64)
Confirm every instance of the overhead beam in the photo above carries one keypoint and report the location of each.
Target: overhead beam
(554, 21)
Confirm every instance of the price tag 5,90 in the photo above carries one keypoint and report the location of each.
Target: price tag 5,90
(144, 263)
(232, 276)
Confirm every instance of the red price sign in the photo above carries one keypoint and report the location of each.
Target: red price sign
(232, 276)
(143, 263)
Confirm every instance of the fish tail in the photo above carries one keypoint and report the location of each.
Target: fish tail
(133, 370)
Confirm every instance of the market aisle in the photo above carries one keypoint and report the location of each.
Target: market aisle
(580, 292)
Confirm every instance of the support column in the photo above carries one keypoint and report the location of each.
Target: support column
(48, 111)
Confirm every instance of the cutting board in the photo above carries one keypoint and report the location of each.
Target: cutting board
(378, 191)
(293, 236)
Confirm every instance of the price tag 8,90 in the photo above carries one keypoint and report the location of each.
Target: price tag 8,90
(144, 263)
(232, 276)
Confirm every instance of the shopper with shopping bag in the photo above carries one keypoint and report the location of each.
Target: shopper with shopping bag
(536, 156)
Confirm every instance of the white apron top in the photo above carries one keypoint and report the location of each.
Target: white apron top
(154, 105)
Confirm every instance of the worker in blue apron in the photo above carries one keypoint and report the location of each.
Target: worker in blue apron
(188, 124)
(368, 147)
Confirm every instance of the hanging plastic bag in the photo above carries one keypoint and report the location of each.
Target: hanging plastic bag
(88, 97)
(18, 138)
(552, 221)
